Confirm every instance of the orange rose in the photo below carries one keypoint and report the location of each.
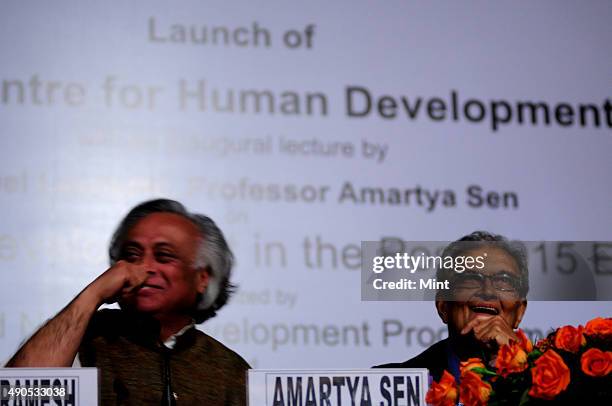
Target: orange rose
(473, 391)
(570, 338)
(549, 377)
(524, 341)
(511, 358)
(599, 327)
(595, 362)
(443, 393)
(470, 364)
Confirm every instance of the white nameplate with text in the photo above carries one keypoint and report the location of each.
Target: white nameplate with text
(49, 386)
(380, 387)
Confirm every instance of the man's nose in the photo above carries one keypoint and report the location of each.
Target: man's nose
(487, 289)
(149, 264)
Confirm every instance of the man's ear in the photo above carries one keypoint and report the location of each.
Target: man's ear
(202, 279)
(442, 307)
(520, 312)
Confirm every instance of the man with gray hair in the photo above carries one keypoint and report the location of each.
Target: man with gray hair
(169, 270)
(483, 307)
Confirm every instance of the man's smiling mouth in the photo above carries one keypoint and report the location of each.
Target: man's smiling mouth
(151, 286)
(485, 309)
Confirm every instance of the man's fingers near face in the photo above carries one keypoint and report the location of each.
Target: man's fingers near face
(472, 324)
(496, 330)
(487, 324)
(135, 278)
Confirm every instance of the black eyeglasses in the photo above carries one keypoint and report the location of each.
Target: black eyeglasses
(501, 282)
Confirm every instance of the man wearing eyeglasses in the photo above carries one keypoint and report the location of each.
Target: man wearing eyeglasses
(483, 306)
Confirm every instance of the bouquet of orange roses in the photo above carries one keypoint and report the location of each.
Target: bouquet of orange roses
(571, 365)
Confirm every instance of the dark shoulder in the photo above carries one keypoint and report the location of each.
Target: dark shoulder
(435, 358)
(219, 352)
(106, 316)
(106, 321)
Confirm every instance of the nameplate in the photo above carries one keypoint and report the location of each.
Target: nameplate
(376, 387)
(48, 386)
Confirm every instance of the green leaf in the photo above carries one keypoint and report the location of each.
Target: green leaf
(484, 371)
(525, 398)
(535, 354)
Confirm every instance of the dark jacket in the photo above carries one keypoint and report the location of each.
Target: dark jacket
(135, 369)
(435, 358)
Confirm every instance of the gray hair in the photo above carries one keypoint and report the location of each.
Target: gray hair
(515, 249)
(214, 253)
